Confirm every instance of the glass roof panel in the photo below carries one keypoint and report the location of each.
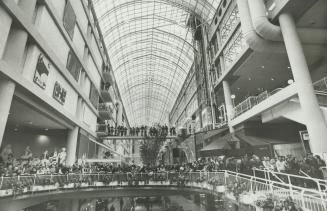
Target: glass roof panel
(151, 51)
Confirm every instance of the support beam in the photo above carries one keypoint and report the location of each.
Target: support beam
(314, 119)
(7, 89)
(230, 111)
(72, 146)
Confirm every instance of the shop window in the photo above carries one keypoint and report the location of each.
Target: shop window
(94, 96)
(69, 19)
(73, 65)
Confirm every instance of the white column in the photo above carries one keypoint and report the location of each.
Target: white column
(80, 109)
(71, 146)
(314, 119)
(230, 111)
(75, 205)
(5, 24)
(119, 113)
(28, 7)
(16, 43)
(228, 100)
(7, 89)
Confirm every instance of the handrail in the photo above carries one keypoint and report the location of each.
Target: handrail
(292, 175)
(298, 179)
(321, 84)
(204, 180)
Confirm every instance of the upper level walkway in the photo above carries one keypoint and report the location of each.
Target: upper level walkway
(35, 188)
(137, 137)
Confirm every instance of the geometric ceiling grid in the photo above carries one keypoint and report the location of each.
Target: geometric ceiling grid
(151, 51)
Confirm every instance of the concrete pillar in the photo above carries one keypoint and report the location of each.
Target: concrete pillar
(7, 89)
(119, 113)
(71, 146)
(80, 108)
(16, 43)
(15, 47)
(82, 78)
(28, 7)
(228, 101)
(314, 119)
(230, 111)
(5, 25)
(75, 205)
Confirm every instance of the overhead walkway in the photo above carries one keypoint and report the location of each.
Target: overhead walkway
(25, 188)
(291, 109)
(280, 103)
(137, 137)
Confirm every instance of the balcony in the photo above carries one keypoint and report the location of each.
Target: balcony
(253, 187)
(108, 94)
(106, 111)
(320, 88)
(108, 77)
(102, 130)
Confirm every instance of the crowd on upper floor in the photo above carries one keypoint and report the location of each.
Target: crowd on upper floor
(144, 131)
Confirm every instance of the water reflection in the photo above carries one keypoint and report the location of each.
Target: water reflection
(191, 202)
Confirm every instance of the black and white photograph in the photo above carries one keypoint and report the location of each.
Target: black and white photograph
(163, 105)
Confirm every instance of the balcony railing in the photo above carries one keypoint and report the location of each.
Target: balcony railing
(108, 94)
(102, 129)
(319, 86)
(253, 187)
(251, 101)
(104, 107)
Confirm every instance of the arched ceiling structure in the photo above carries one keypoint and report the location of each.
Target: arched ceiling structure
(151, 51)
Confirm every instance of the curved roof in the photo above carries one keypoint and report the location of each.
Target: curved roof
(151, 51)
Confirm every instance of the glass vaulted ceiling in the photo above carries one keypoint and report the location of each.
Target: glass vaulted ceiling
(151, 51)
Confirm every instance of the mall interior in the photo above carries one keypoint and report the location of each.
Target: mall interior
(163, 105)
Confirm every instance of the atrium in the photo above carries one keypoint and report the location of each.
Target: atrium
(163, 105)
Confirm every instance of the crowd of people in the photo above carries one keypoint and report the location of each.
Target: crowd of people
(55, 163)
(144, 131)
(29, 164)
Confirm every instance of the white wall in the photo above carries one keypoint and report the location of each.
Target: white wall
(78, 42)
(94, 74)
(47, 28)
(86, 86)
(5, 24)
(96, 52)
(80, 14)
(33, 53)
(60, 7)
(89, 118)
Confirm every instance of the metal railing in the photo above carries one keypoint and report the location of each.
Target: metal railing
(212, 181)
(102, 128)
(249, 103)
(305, 198)
(321, 85)
(105, 107)
(305, 182)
